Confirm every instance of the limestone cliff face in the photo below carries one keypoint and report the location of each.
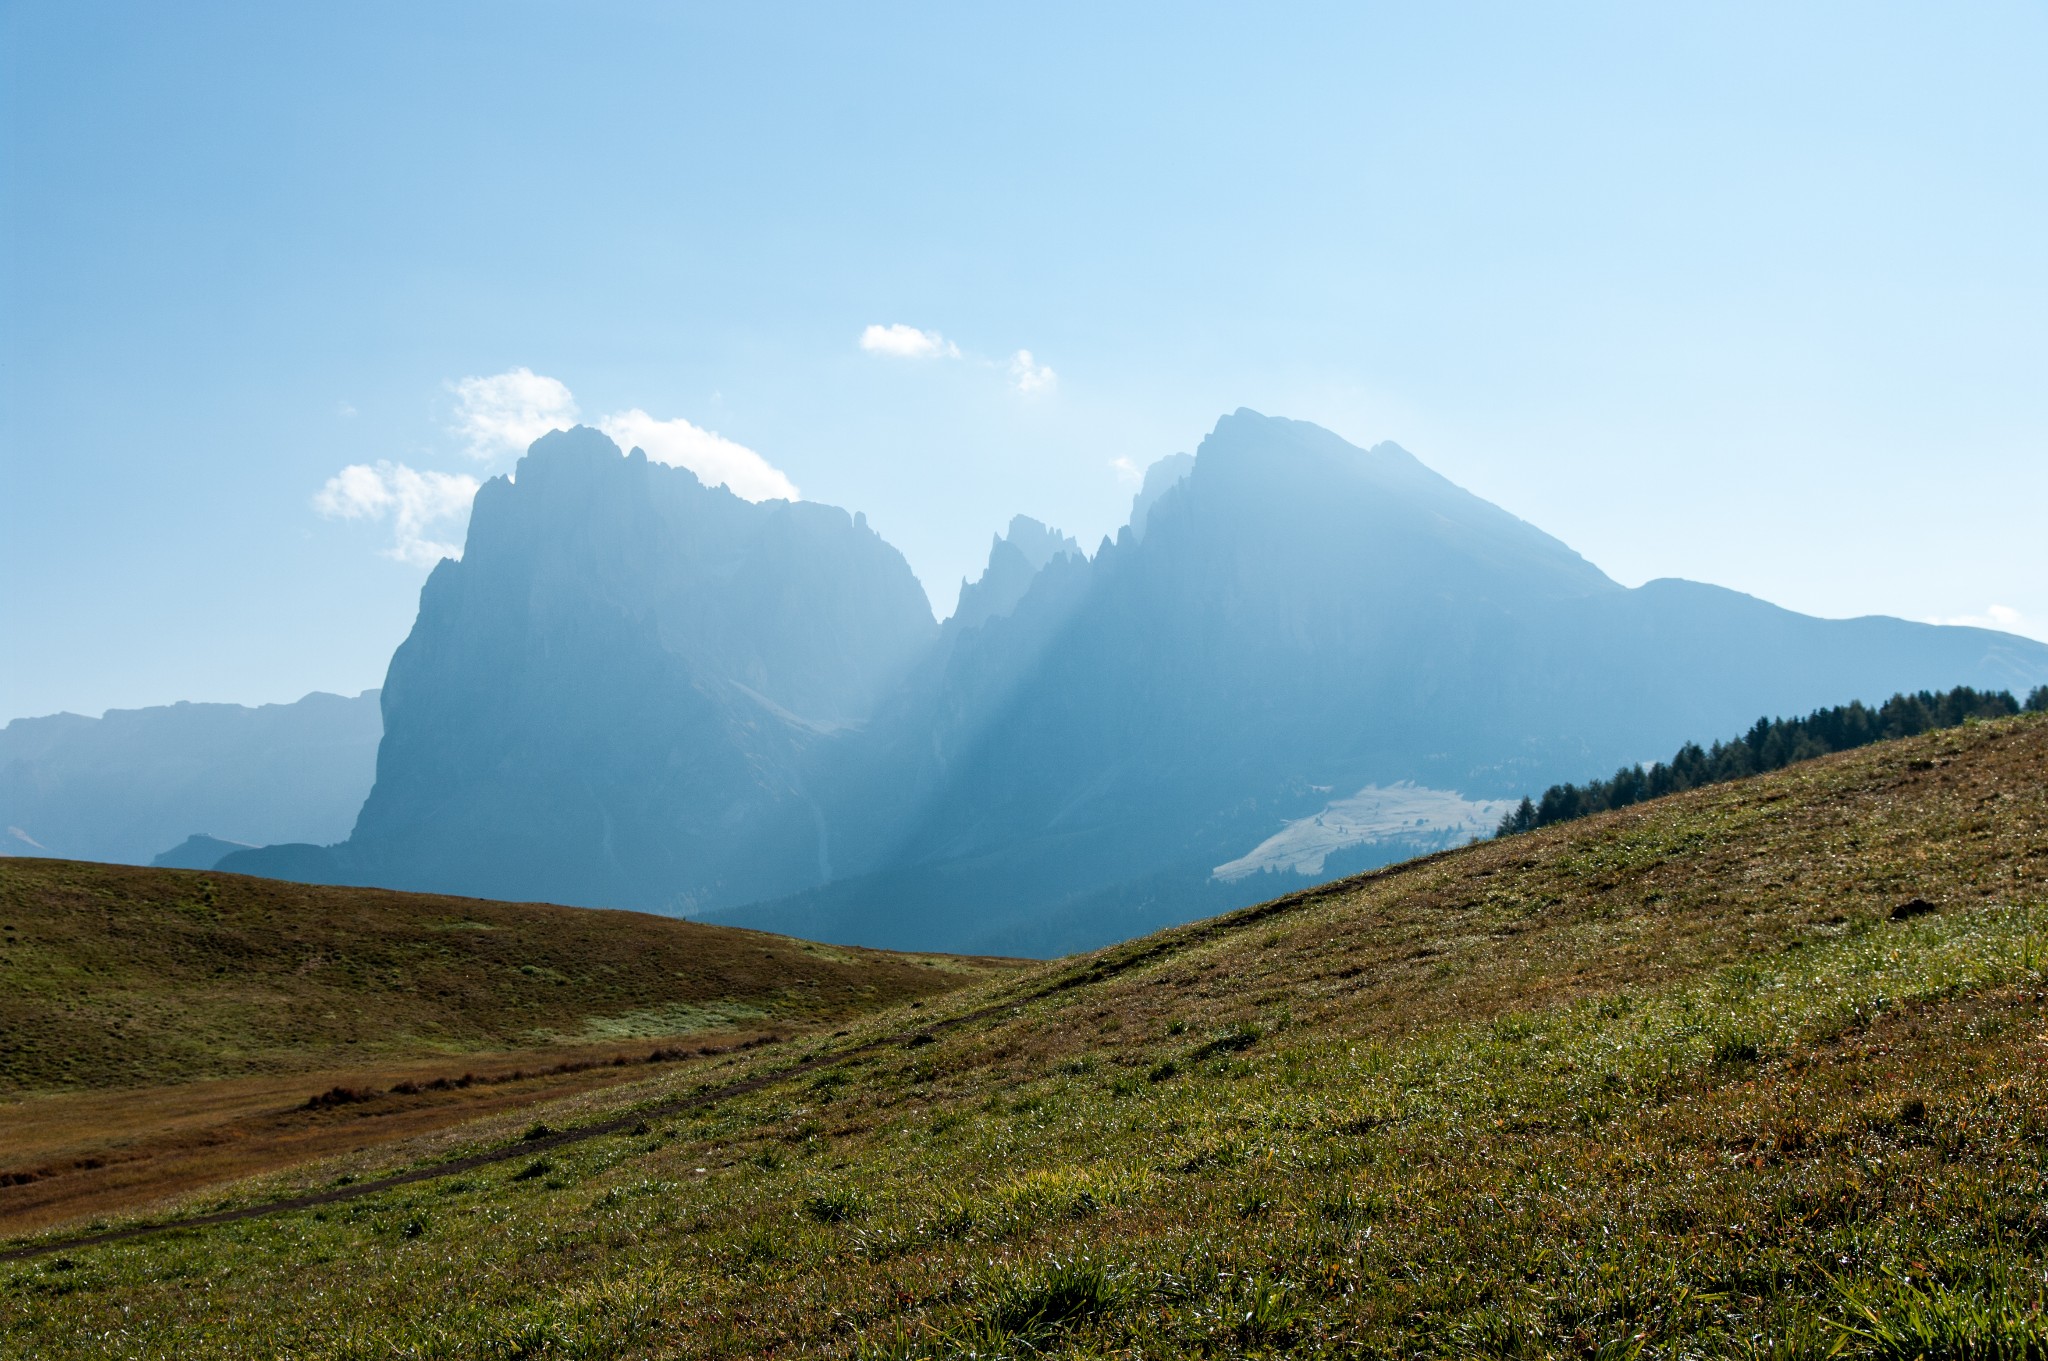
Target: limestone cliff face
(616, 695)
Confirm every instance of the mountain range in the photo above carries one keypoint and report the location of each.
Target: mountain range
(136, 784)
(1300, 658)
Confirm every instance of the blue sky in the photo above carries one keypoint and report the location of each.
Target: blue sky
(1755, 295)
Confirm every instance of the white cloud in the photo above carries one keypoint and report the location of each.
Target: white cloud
(1029, 376)
(714, 458)
(412, 500)
(2004, 618)
(907, 342)
(1127, 471)
(506, 412)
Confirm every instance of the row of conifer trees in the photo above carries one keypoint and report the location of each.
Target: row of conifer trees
(1771, 744)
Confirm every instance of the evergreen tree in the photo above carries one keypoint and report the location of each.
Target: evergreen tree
(1522, 819)
(1770, 744)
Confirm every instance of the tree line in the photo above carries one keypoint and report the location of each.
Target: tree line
(1771, 744)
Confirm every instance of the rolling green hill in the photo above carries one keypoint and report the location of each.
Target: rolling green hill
(1756, 1070)
(117, 976)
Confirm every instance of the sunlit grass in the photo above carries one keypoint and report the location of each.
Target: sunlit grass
(1668, 1083)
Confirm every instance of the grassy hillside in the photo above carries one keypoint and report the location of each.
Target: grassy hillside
(1756, 1070)
(117, 976)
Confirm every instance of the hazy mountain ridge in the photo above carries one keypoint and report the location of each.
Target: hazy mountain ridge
(1161, 477)
(636, 691)
(198, 852)
(1303, 616)
(1014, 560)
(135, 783)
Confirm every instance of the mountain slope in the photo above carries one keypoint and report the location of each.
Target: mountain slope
(170, 1031)
(1304, 624)
(1755, 1062)
(118, 977)
(137, 782)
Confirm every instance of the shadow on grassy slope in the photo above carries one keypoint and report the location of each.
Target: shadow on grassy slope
(115, 976)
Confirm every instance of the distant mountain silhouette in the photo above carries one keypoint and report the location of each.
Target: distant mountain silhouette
(1014, 561)
(1301, 658)
(126, 786)
(1159, 478)
(198, 852)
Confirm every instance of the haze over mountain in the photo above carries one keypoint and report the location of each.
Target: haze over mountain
(136, 783)
(1304, 624)
(615, 696)
(1303, 658)
(1015, 559)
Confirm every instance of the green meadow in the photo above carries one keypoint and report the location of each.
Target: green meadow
(1755, 1070)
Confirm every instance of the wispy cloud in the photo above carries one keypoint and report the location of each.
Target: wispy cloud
(505, 412)
(1127, 471)
(1029, 376)
(898, 341)
(2004, 618)
(413, 501)
(715, 459)
(907, 342)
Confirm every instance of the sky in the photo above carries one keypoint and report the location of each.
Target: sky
(1750, 294)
